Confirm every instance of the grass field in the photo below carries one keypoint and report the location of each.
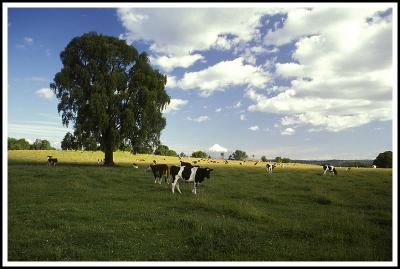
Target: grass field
(77, 211)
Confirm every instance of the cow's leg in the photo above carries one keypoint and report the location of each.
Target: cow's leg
(177, 186)
(159, 181)
(174, 183)
(324, 172)
(194, 187)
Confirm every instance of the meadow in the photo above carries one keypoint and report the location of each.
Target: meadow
(77, 211)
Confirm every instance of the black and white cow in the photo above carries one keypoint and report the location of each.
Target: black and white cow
(270, 167)
(51, 160)
(188, 174)
(159, 171)
(329, 168)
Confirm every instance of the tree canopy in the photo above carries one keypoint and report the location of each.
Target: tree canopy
(239, 155)
(165, 151)
(199, 154)
(384, 160)
(18, 144)
(110, 93)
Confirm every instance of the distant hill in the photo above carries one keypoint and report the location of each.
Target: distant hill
(334, 162)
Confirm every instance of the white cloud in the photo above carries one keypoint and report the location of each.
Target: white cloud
(175, 104)
(341, 74)
(242, 117)
(218, 109)
(289, 69)
(223, 75)
(199, 119)
(169, 63)
(254, 128)
(26, 41)
(45, 93)
(217, 148)
(288, 131)
(203, 29)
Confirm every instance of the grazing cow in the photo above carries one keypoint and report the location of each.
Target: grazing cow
(188, 174)
(51, 161)
(270, 167)
(159, 171)
(329, 168)
(186, 164)
(374, 166)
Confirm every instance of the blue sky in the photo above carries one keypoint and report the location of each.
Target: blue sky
(303, 83)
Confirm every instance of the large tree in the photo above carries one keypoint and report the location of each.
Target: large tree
(110, 93)
(384, 160)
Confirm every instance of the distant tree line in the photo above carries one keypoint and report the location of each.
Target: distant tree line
(23, 144)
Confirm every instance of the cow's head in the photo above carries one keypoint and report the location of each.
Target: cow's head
(207, 172)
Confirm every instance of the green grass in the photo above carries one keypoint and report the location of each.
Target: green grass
(79, 212)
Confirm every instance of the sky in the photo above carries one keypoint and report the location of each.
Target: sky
(302, 82)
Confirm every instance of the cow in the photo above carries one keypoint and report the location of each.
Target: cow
(373, 166)
(185, 163)
(270, 167)
(135, 165)
(329, 168)
(188, 174)
(100, 162)
(51, 161)
(159, 171)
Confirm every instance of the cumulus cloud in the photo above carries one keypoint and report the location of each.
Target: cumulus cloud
(254, 128)
(45, 93)
(223, 75)
(341, 75)
(169, 63)
(217, 148)
(175, 104)
(169, 38)
(242, 117)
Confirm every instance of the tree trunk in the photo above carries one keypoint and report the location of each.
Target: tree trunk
(108, 150)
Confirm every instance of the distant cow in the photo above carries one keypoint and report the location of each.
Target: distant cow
(100, 162)
(186, 164)
(159, 171)
(373, 166)
(51, 161)
(329, 168)
(188, 174)
(270, 167)
(135, 165)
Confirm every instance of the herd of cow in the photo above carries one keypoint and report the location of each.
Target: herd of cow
(187, 172)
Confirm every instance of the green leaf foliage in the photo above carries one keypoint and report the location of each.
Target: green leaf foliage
(110, 93)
